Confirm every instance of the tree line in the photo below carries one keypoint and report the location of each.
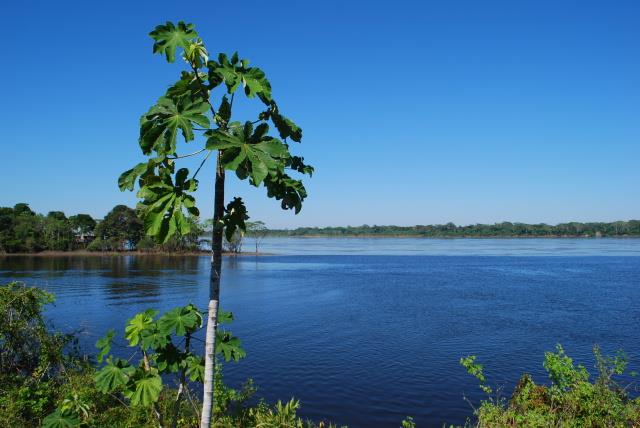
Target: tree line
(450, 230)
(24, 231)
(122, 229)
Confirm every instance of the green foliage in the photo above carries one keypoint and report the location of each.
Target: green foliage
(234, 218)
(408, 422)
(53, 388)
(82, 223)
(187, 111)
(25, 343)
(570, 401)
(32, 359)
(156, 341)
(505, 229)
(475, 370)
(561, 370)
(120, 226)
(59, 419)
(160, 125)
(168, 37)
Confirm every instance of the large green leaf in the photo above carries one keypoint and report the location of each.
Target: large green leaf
(180, 320)
(289, 191)
(195, 368)
(138, 325)
(146, 388)
(235, 73)
(229, 346)
(127, 179)
(160, 125)
(58, 419)
(169, 37)
(153, 338)
(163, 202)
(113, 375)
(286, 127)
(224, 317)
(297, 164)
(249, 150)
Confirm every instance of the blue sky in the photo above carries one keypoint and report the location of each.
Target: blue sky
(413, 112)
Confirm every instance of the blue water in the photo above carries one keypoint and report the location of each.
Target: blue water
(367, 331)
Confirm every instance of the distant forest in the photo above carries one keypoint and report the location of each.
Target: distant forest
(450, 230)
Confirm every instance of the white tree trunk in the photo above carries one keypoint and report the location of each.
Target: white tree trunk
(209, 365)
(214, 299)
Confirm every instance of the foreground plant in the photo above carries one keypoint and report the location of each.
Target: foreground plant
(163, 346)
(570, 401)
(188, 108)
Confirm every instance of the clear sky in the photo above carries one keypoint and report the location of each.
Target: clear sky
(413, 112)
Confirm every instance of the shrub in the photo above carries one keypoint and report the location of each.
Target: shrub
(571, 400)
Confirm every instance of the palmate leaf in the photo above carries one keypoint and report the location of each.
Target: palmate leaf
(180, 320)
(139, 325)
(160, 125)
(286, 127)
(289, 191)
(127, 179)
(224, 317)
(195, 368)
(169, 37)
(229, 346)
(163, 203)
(251, 151)
(113, 375)
(235, 73)
(59, 419)
(297, 164)
(153, 338)
(145, 389)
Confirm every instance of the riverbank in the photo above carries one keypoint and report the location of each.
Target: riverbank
(85, 253)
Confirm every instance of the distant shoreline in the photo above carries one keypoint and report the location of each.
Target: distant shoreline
(85, 253)
(320, 235)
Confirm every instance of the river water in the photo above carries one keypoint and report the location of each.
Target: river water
(367, 331)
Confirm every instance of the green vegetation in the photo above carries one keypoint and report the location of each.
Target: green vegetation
(200, 107)
(570, 401)
(24, 231)
(450, 230)
(44, 381)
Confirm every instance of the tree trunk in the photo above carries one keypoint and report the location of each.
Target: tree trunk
(214, 297)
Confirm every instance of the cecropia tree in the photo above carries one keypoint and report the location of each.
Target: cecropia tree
(197, 109)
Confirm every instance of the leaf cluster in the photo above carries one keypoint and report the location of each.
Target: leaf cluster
(187, 112)
(157, 340)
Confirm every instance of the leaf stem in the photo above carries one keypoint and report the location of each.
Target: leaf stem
(202, 163)
(204, 89)
(186, 156)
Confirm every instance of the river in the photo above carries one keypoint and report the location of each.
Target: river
(366, 331)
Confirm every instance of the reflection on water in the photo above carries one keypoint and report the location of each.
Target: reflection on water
(344, 332)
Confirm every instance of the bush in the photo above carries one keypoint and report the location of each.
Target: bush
(571, 400)
(32, 361)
